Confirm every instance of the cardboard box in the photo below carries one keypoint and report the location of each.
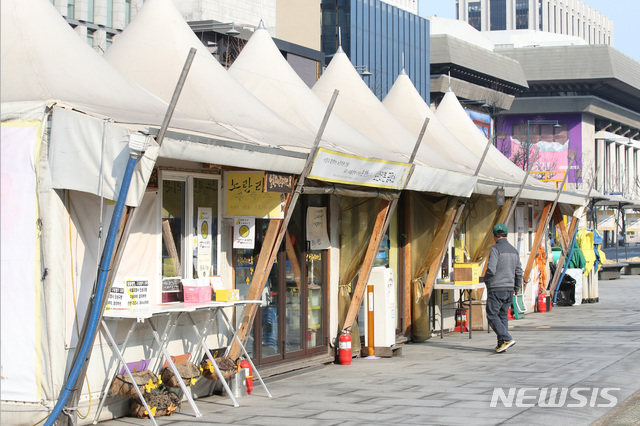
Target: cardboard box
(225, 295)
(466, 273)
(479, 321)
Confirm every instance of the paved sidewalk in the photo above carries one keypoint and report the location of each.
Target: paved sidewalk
(451, 381)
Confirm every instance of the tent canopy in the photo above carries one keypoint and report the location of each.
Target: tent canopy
(263, 70)
(359, 107)
(453, 116)
(152, 50)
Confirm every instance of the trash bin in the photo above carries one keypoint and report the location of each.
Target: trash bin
(237, 384)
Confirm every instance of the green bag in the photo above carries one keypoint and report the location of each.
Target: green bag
(518, 306)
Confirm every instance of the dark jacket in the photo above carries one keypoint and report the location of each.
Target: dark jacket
(504, 271)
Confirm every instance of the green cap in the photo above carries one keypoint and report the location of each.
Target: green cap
(500, 230)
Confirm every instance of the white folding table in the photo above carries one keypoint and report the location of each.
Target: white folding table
(174, 311)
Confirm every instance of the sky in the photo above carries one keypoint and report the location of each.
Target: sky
(624, 14)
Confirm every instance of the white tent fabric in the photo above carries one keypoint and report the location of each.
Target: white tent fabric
(406, 104)
(44, 63)
(152, 50)
(359, 107)
(263, 70)
(453, 116)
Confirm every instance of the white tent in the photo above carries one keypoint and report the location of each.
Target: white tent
(152, 50)
(263, 70)
(452, 115)
(360, 108)
(66, 117)
(406, 104)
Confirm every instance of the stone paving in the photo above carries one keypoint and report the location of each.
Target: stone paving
(450, 381)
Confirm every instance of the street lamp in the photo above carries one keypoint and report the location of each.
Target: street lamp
(363, 70)
(556, 125)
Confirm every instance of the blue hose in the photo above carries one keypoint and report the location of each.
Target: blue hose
(105, 266)
(565, 266)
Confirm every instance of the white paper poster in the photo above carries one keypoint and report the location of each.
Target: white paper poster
(317, 234)
(204, 242)
(244, 232)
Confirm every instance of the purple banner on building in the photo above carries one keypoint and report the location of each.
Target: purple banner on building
(558, 137)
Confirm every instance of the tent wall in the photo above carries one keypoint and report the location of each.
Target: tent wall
(20, 263)
(90, 155)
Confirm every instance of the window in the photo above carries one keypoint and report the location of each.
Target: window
(71, 9)
(90, 37)
(109, 13)
(127, 12)
(475, 15)
(90, 12)
(498, 13)
(522, 14)
(540, 15)
(190, 237)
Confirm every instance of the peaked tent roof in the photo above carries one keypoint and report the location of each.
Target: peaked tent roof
(359, 107)
(453, 116)
(152, 50)
(406, 104)
(263, 70)
(44, 62)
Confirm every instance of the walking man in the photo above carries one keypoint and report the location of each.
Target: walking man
(503, 279)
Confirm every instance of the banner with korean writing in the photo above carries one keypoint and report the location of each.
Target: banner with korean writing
(245, 196)
(332, 166)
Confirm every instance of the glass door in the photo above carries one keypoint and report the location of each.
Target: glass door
(190, 224)
(291, 321)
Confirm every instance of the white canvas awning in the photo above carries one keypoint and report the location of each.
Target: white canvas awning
(263, 70)
(452, 115)
(152, 50)
(359, 107)
(406, 104)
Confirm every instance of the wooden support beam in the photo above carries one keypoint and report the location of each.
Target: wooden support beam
(260, 274)
(563, 257)
(536, 243)
(408, 291)
(273, 239)
(383, 219)
(435, 266)
(563, 236)
(365, 271)
(434, 269)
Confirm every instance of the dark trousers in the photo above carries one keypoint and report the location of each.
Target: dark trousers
(498, 304)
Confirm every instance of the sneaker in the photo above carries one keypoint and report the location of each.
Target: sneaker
(498, 346)
(505, 346)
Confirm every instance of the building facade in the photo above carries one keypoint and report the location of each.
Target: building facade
(568, 17)
(380, 39)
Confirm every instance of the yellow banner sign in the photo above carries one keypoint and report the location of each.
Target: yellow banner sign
(245, 196)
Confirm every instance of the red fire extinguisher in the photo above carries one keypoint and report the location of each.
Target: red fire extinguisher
(246, 366)
(344, 347)
(542, 303)
(461, 320)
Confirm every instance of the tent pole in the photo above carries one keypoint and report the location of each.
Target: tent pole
(514, 201)
(437, 264)
(275, 232)
(380, 227)
(536, 244)
(572, 231)
(121, 235)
